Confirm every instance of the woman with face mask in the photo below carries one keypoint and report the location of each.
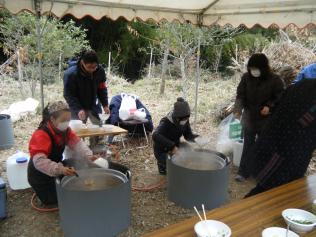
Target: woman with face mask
(46, 148)
(171, 128)
(257, 95)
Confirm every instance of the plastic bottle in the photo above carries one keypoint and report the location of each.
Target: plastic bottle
(17, 171)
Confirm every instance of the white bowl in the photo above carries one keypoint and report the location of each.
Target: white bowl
(107, 127)
(75, 125)
(93, 127)
(291, 216)
(212, 228)
(277, 232)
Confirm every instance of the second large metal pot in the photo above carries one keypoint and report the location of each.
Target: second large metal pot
(95, 204)
(198, 177)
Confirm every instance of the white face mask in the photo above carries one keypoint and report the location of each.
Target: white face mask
(63, 126)
(183, 122)
(255, 72)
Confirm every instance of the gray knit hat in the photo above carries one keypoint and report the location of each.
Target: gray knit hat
(181, 109)
(57, 106)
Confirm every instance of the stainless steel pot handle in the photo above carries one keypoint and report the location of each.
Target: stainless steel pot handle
(227, 160)
(58, 180)
(128, 174)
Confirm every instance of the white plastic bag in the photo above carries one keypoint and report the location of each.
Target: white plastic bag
(128, 106)
(224, 144)
(140, 114)
(21, 108)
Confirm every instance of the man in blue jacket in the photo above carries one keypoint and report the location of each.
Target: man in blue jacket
(85, 88)
(308, 72)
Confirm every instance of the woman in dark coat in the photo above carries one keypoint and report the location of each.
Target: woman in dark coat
(284, 150)
(257, 94)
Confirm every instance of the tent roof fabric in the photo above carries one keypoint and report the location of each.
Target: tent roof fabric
(207, 12)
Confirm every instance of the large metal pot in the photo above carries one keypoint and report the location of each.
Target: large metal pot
(97, 203)
(197, 177)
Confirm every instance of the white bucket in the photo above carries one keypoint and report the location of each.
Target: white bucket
(17, 171)
(237, 149)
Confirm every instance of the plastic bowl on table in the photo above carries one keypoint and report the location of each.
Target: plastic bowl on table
(212, 228)
(107, 127)
(277, 232)
(300, 221)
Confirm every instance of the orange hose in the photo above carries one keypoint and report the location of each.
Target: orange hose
(41, 209)
(140, 189)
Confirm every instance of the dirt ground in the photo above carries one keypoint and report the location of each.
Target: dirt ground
(150, 210)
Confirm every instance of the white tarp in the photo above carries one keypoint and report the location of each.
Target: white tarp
(234, 12)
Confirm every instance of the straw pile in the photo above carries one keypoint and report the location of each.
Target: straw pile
(287, 53)
(282, 53)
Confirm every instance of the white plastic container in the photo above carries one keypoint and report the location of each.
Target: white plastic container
(17, 171)
(238, 146)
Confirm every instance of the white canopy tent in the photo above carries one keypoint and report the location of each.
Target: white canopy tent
(201, 12)
(206, 12)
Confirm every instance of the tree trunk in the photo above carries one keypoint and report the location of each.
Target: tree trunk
(33, 79)
(20, 72)
(183, 76)
(163, 71)
(109, 65)
(39, 57)
(150, 62)
(60, 66)
(197, 81)
(218, 58)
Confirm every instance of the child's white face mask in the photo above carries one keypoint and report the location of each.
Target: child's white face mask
(183, 122)
(63, 126)
(255, 72)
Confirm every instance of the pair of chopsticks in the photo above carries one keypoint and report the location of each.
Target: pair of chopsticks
(205, 219)
(197, 212)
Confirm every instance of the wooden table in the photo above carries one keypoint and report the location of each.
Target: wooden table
(95, 132)
(248, 217)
